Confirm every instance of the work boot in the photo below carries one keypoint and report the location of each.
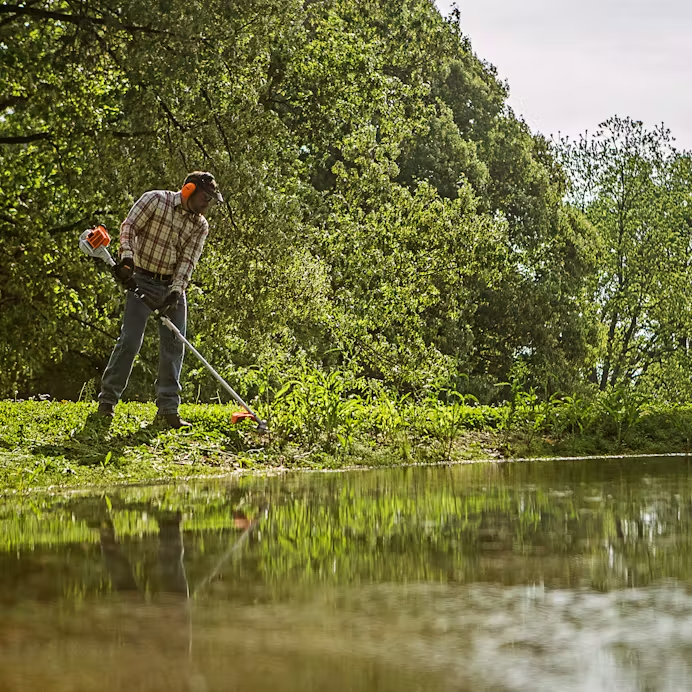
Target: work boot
(106, 410)
(173, 420)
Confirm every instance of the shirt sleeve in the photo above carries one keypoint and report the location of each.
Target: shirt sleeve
(188, 257)
(142, 210)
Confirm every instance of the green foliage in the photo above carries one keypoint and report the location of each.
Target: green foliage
(634, 187)
(407, 278)
(385, 213)
(388, 219)
(326, 420)
(445, 420)
(318, 407)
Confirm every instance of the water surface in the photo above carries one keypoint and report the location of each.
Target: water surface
(571, 575)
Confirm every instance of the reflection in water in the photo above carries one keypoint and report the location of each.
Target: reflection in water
(536, 576)
(169, 578)
(170, 564)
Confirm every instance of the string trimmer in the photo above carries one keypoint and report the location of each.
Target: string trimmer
(94, 242)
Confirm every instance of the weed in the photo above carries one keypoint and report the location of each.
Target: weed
(618, 409)
(446, 419)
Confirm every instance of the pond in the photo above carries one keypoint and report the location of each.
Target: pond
(561, 575)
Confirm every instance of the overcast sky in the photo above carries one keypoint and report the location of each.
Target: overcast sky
(572, 64)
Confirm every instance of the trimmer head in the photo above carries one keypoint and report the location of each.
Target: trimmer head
(238, 416)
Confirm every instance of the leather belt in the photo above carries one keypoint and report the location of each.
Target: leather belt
(154, 275)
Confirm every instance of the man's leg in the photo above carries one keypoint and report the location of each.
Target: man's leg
(118, 566)
(119, 367)
(171, 552)
(173, 582)
(171, 352)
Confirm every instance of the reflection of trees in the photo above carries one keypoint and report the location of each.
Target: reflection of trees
(512, 524)
(601, 524)
(125, 541)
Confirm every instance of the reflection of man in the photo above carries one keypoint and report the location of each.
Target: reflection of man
(171, 552)
(163, 629)
(171, 569)
(118, 566)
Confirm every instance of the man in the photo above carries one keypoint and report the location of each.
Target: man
(161, 241)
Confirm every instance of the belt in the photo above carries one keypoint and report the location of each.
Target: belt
(154, 275)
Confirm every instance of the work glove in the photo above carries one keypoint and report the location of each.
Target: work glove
(169, 303)
(124, 270)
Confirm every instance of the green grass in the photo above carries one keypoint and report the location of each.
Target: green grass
(319, 424)
(49, 443)
(64, 443)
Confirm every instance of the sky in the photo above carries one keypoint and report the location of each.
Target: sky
(571, 64)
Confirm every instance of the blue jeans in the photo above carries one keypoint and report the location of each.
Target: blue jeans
(171, 350)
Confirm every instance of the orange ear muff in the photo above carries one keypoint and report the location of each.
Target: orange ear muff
(187, 190)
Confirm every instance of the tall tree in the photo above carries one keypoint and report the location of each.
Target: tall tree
(634, 187)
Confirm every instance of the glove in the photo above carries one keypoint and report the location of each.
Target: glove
(124, 270)
(169, 303)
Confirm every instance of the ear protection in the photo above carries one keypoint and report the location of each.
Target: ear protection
(190, 187)
(188, 190)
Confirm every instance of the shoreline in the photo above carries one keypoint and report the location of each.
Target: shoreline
(62, 447)
(262, 472)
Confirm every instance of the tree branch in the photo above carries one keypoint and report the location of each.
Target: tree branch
(38, 136)
(71, 226)
(12, 101)
(25, 139)
(95, 327)
(79, 20)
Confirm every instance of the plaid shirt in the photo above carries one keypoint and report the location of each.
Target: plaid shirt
(162, 237)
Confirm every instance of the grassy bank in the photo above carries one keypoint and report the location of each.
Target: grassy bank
(46, 443)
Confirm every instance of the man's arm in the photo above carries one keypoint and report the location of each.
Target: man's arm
(188, 258)
(142, 210)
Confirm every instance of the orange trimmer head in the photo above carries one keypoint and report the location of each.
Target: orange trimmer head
(238, 416)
